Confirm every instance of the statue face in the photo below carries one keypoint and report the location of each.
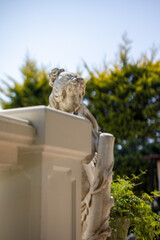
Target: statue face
(72, 98)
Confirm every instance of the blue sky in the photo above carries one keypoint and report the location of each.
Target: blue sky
(62, 33)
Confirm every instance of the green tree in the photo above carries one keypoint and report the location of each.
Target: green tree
(34, 89)
(131, 159)
(126, 98)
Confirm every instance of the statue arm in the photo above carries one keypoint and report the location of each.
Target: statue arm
(84, 111)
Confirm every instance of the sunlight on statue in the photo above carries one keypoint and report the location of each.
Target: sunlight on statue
(68, 90)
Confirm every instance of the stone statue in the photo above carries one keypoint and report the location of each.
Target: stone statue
(68, 90)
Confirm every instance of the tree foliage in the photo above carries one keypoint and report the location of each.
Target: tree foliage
(34, 89)
(126, 98)
(131, 159)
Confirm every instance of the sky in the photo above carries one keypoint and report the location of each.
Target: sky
(59, 33)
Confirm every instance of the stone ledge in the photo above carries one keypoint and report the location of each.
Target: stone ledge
(55, 128)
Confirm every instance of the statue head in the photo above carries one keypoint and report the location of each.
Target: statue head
(68, 90)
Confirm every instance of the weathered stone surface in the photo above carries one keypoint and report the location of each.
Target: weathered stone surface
(68, 90)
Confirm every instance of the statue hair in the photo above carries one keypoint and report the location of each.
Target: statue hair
(59, 80)
(54, 74)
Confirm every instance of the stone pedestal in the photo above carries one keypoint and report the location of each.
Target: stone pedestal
(41, 151)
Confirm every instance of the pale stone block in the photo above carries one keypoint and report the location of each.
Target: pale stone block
(40, 177)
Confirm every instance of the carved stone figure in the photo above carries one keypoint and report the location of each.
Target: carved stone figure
(68, 90)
